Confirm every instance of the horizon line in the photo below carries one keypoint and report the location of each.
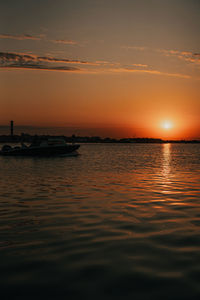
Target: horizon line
(102, 138)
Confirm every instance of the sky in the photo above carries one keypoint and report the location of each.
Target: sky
(123, 68)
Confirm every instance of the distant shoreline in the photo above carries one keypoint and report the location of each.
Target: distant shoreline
(27, 138)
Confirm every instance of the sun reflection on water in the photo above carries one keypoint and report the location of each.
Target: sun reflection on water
(166, 161)
(166, 169)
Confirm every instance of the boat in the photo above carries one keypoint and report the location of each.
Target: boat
(50, 147)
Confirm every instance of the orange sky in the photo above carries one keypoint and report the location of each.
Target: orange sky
(125, 65)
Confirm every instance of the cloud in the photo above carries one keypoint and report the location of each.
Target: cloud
(152, 72)
(40, 67)
(21, 37)
(65, 42)
(63, 60)
(29, 61)
(40, 37)
(188, 56)
(22, 57)
(7, 58)
(140, 65)
(137, 48)
(10, 60)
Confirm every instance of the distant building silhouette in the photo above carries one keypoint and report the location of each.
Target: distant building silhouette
(11, 127)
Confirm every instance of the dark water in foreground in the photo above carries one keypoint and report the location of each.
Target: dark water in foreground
(116, 222)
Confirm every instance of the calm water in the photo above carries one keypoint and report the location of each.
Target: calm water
(116, 222)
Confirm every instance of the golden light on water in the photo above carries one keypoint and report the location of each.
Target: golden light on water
(166, 161)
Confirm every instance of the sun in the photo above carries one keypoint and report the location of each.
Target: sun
(166, 125)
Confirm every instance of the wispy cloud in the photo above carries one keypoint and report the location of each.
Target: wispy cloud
(152, 72)
(35, 66)
(29, 61)
(48, 62)
(21, 37)
(23, 57)
(188, 56)
(184, 55)
(137, 48)
(139, 65)
(65, 42)
(8, 59)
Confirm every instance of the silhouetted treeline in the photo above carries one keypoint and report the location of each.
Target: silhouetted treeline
(27, 138)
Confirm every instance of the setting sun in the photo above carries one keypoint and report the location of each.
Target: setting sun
(167, 125)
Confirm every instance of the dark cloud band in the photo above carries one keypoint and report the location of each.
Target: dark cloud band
(27, 61)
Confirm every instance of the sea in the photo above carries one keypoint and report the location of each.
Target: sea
(118, 221)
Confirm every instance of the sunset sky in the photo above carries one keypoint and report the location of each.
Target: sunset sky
(128, 67)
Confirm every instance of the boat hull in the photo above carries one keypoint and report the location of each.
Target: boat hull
(43, 151)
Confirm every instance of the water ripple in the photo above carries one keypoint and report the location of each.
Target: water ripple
(116, 222)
